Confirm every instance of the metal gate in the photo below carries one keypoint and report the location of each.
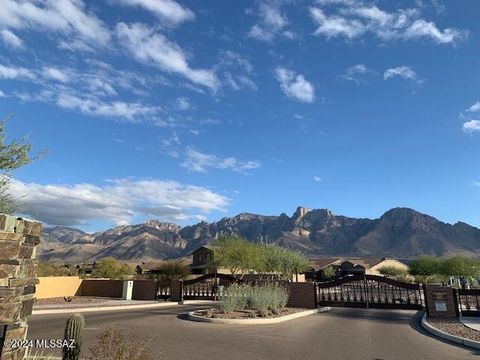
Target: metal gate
(370, 291)
(206, 287)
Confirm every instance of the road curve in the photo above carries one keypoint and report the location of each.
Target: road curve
(355, 334)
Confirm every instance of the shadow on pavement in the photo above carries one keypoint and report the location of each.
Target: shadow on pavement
(415, 324)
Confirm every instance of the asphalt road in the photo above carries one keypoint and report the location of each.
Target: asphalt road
(338, 334)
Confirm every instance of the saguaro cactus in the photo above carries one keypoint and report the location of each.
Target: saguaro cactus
(73, 331)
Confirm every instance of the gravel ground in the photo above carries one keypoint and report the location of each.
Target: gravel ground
(244, 314)
(455, 327)
(75, 300)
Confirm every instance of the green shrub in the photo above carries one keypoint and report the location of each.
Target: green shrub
(234, 298)
(261, 299)
(279, 296)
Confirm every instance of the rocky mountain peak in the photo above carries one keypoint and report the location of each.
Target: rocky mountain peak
(400, 232)
(301, 212)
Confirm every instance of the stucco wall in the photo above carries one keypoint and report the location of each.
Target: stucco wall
(386, 263)
(58, 286)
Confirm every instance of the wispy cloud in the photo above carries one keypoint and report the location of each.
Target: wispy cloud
(354, 73)
(471, 126)
(167, 10)
(14, 72)
(295, 85)
(237, 70)
(183, 104)
(68, 18)
(404, 72)
(272, 22)
(131, 111)
(118, 201)
(152, 48)
(354, 19)
(11, 40)
(476, 183)
(198, 161)
(475, 107)
(90, 92)
(317, 178)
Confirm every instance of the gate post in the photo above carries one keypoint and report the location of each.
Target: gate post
(440, 301)
(176, 290)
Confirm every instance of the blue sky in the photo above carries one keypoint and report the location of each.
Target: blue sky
(187, 110)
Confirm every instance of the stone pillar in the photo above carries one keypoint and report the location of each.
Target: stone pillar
(176, 290)
(440, 301)
(18, 239)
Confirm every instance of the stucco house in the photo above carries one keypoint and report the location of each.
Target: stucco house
(344, 267)
(201, 258)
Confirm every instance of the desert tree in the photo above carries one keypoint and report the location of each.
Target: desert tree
(13, 155)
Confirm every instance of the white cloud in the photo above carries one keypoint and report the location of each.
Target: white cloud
(168, 10)
(153, 48)
(2, 94)
(355, 72)
(68, 18)
(118, 201)
(272, 22)
(183, 104)
(295, 86)
(332, 26)
(56, 74)
(11, 40)
(197, 161)
(238, 82)
(476, 183)
(11, 72)
(238, 70)
(131, 111)
(475, 107)
(471, 126)
(317, 178)
(353, 19)
(404, 72)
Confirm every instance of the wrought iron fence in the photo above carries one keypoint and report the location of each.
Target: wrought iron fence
(468, 301)
(370, 291)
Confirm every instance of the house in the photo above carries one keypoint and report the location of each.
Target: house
(201, 259)
(370, 266)
(85, 269)
(318, 266)
(149, 268)
(343, 267)
(204, 256)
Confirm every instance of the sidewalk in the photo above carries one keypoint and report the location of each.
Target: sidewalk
(111, 305)
(110, 302)
(471, 322)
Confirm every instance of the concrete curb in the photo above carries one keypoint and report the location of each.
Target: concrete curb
(276, 320)
(117, 307)
(442, 334)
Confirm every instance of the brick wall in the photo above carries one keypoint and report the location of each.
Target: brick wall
(18, 239)
(437, 292)
(302, 295)
(102, 288)
(144, 290)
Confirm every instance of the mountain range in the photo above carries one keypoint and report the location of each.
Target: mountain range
(399, 232)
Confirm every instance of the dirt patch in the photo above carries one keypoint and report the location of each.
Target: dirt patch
(75, 300)
(455, 327)
(245, 314)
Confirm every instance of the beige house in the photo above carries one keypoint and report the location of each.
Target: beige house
(342, 267)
